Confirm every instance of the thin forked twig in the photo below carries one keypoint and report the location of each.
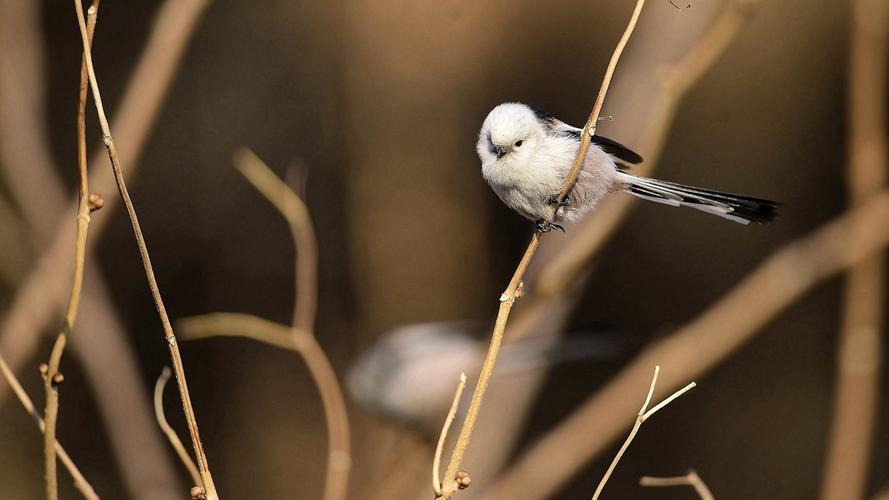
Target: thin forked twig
(644, 414)
(203, 467)
(80, 482)
(52, 377)
(436, 461)
(691, 479)
(507, 299)
(168, 430)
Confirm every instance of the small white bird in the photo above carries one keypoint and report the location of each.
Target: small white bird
(526, 155)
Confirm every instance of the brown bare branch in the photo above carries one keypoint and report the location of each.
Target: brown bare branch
(53, 375)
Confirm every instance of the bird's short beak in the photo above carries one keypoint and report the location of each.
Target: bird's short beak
(500, 151)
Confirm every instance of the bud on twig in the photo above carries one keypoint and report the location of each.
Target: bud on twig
(96, 202)
(463, 479)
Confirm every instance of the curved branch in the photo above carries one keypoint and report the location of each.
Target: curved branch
(173, 438)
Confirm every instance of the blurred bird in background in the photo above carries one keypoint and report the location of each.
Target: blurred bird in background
(409, 374)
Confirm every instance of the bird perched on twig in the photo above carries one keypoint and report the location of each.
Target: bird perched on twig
(526, 155)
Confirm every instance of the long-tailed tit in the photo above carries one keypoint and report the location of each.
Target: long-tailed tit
(526, 155)
(409, 375)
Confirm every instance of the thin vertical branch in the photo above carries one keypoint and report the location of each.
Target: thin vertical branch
(436, 461)
(507, 299)
(643, 415)
(691, 479)
(296, 213)
(178, 368)
(168, 430)
(861, 337)
(52, 376)
(80, 482)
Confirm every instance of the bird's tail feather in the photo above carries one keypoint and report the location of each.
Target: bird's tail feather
(734, 207)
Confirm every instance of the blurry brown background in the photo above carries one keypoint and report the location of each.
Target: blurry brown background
(382, 101)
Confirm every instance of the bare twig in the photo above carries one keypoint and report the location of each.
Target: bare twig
(507, 299)
(436, 461)
(53, 377)
(693, 350)
(80, 482)
(296, 213)
(168, 430)
(146, 261)
(691, 479)
(643, 415)
(860, 344)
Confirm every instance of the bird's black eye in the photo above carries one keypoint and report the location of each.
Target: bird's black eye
(518, 143)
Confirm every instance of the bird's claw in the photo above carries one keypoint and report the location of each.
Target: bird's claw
(544, 227)
(554, 200)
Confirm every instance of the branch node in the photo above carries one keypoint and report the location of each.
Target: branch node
(57, 379)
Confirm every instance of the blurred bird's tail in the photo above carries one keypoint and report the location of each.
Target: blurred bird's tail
(734, 207)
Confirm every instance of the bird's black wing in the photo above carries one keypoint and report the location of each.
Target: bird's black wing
(617, 149)
(610, 146)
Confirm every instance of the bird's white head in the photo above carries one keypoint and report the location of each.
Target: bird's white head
(510, 135)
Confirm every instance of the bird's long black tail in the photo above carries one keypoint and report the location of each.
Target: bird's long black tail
(734, 207)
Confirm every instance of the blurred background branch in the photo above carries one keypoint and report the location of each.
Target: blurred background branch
(300, 337)
(860, 350)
